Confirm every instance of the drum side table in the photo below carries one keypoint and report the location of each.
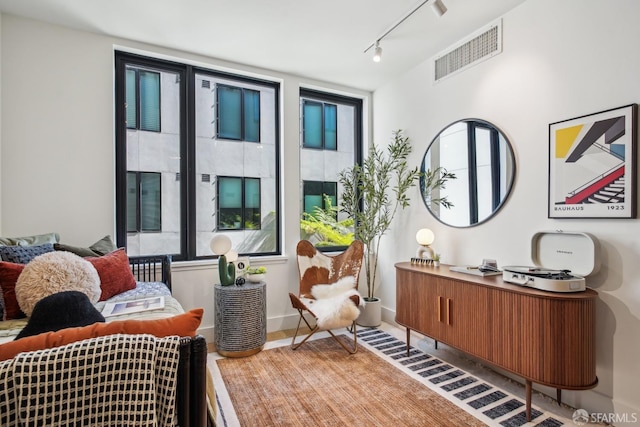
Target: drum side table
(241, 319)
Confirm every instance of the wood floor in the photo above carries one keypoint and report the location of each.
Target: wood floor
(271, 336)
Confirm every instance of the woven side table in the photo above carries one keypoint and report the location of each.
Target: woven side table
(241, 319)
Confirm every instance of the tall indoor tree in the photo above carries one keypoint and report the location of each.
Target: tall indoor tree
(372, 194)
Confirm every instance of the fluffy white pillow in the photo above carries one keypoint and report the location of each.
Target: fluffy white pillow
(332, 306)
(343, 285)
(55, 272)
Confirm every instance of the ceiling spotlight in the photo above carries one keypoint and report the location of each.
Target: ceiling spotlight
(377, 56)
(438, 8)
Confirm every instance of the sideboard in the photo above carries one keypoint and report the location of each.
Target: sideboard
(545, 337)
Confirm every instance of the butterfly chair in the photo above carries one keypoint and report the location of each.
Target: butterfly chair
(328, 291)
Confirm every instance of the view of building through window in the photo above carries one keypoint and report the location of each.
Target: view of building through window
(331, 141)
(187, 172)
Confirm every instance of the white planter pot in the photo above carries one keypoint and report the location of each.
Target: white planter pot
(370, 314)
(255, 278)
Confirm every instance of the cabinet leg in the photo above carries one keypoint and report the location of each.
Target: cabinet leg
(408, 340)
(435, 342)
(559, 396)
(528, 387)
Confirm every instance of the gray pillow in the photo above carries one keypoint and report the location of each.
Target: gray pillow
(99, 248)
(23, 254)
(34, 240)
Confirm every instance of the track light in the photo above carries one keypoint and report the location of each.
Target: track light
(438, 8)
(377, 55)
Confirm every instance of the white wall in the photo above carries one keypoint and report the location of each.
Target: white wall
(560, 60)
(57, 164)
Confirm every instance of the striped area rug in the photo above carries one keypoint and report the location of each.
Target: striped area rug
(254, 391)
(487, 402)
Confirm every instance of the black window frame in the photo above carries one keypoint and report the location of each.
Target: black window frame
(187, 172)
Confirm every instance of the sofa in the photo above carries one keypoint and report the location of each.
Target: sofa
(175, 371)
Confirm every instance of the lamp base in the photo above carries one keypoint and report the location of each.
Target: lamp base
(425, 252)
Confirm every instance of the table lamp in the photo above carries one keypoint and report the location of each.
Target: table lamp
(425, 238)
(221, 246)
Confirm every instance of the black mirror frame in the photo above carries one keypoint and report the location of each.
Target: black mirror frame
(511, 182)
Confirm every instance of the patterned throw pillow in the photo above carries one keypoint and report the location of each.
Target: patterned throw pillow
(23, 254)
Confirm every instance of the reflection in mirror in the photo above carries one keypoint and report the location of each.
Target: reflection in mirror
(482, 159)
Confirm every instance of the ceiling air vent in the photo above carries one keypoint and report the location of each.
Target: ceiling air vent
(478, 47)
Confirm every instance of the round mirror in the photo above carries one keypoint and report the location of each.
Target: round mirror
(482, 160)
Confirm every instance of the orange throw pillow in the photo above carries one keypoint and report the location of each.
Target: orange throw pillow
(9, 273)
(183, 325)
(115, 273)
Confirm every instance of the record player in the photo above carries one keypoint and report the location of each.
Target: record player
(562, 261)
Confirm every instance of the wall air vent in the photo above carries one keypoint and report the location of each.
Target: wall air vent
(476, 48)
(206, 84)
(206, 177)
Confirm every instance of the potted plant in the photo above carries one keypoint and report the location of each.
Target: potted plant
(372, 194)
(255, 274)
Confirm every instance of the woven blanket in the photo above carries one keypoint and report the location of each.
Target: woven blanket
(117, 380)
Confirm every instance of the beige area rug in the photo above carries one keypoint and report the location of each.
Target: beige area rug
(321, 385)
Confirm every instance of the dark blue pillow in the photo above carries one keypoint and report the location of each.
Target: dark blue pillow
(66, 309)
(23, 254)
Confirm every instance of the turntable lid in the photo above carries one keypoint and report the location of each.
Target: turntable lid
(566, 250)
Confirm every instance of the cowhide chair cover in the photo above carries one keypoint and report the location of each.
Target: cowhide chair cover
(334, 300)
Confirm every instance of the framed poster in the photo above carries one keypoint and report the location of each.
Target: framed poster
(592, 165)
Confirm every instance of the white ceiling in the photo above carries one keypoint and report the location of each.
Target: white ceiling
(319, 39)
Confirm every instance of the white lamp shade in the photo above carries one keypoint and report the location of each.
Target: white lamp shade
(220, 244)
(425, 237)
(232, 256)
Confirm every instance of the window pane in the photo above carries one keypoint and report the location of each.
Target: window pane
(149, 101)
(251, 203)
(252, 211)
(312, 125)
(251, 115)
(330, 127)
(330, 189)
(230, 199)
(312, 193)
(150, 202)
(251, 193)
(154, 205)
(132, 202)
(230, 192)
(131, 99)
(229, 112)
(320, 168)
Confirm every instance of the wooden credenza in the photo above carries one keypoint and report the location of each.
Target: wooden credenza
(544, 337)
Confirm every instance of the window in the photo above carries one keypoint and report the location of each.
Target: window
(238, 113)
(144, 202)
(215, 156)
(314, 193)
(143, 99)
(238, 203)
(320, 125)
(331, 141)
